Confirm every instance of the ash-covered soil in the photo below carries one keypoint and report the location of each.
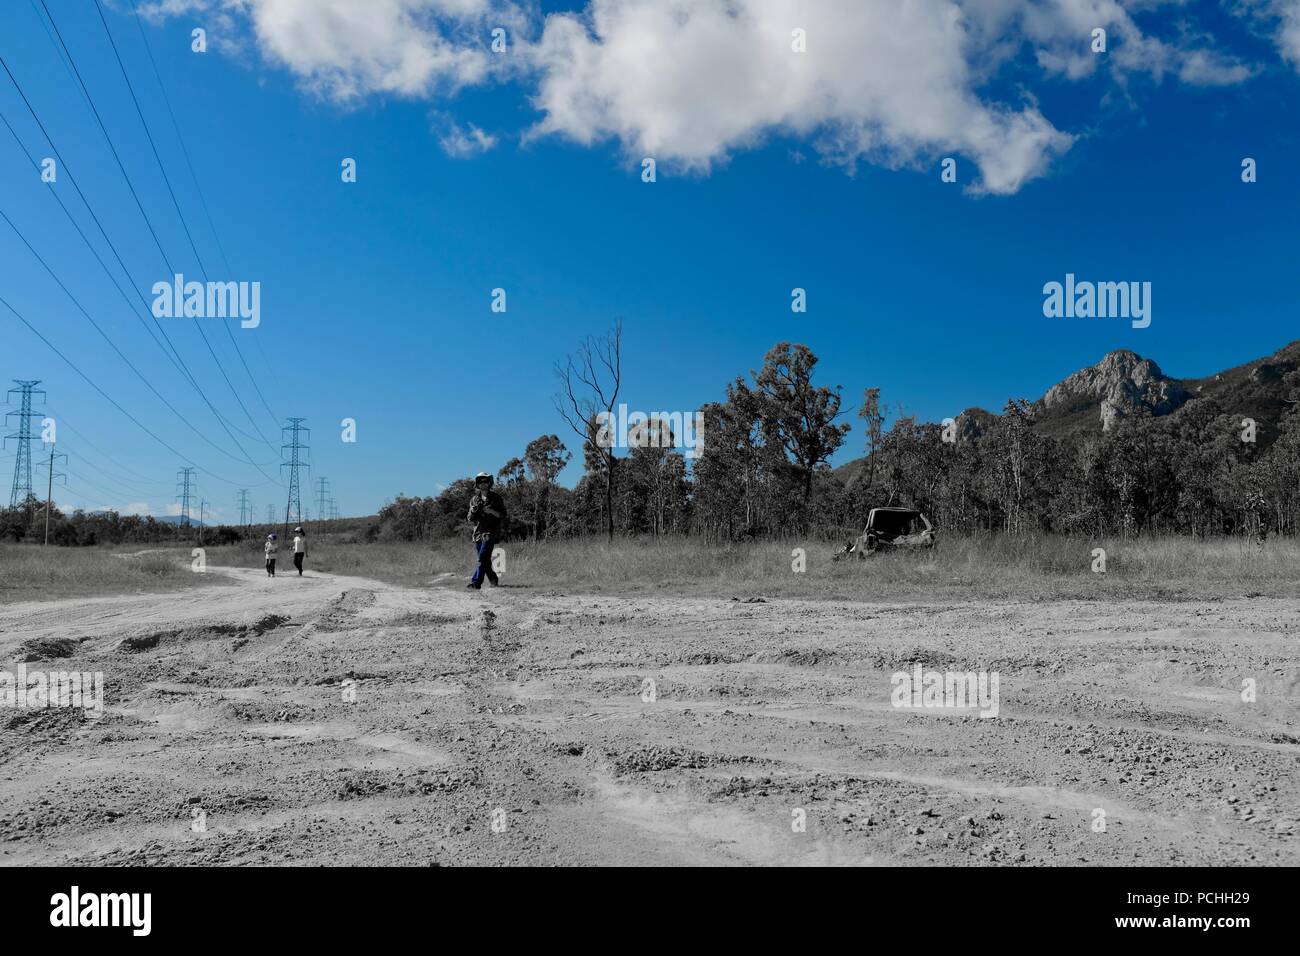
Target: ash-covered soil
(511, 726)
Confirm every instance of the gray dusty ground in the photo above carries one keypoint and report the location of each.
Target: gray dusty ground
(509, 726)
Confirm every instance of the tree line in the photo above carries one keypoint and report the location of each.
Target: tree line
(764, 470)
(86, 528)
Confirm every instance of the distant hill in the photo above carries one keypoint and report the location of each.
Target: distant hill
(161, 519)
(176, 519)
(1124, 384)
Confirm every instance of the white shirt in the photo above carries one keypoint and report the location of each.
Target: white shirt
(299, 545)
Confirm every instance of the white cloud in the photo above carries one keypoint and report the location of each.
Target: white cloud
(890, 82)
(1061, 33)
(347, 50)
(140, 508)
(1202, 68)
(1278, 18)
(464, 142)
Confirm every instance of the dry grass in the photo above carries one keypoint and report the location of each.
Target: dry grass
(989, 567)
(962, 569)
(34, 573)
(985, 567)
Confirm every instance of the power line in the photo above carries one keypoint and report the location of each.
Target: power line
(198, 188)
(67, 169)
(140, 375)
(172, 356)
(49, 487)
(179, 214)
(57, 52)
(124, 487)
(133, 483)
(176, 360)
(87, 379)
(73, 492)
(116, 493)
(136, 197)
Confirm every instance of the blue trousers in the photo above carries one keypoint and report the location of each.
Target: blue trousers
(484, 567)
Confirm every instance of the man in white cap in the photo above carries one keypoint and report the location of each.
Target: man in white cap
(299, 548)
(487, 512)
(270, 549)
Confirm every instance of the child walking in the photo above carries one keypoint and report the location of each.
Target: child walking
(299, 548)
(271, 549)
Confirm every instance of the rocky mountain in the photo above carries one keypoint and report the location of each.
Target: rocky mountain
(1124, 384)
(1121, 384)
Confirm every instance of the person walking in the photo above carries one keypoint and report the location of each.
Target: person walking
(299, 548)
(270, 549)
(487, 513)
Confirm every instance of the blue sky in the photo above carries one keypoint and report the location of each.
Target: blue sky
(1124, 166)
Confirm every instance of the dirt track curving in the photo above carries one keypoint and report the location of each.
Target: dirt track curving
(511, 726)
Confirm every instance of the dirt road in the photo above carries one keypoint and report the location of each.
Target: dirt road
(512, 726)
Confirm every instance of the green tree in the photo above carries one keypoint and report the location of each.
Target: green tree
(544, 458)
(796, 415)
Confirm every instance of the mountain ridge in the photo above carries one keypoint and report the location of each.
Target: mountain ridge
(1124, 384)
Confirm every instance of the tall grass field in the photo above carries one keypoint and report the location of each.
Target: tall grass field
(31, 572)
(972, 568)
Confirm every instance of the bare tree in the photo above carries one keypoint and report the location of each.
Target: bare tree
(590, 379)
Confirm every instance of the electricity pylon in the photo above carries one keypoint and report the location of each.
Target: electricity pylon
(322, 498)
(297, 452)
(22, 487)
(185, 491)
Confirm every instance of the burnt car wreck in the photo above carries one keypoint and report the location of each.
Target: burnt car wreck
(889, 528)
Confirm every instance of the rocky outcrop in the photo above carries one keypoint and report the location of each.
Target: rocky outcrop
(1121, 384)
(973, 423)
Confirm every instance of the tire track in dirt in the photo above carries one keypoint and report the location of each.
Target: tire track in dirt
(507, 706)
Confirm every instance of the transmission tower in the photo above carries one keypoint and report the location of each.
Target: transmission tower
(322, 498)
(297, 451)
(270, 514)
(22, 488)
(185, 491)
(245, 509)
